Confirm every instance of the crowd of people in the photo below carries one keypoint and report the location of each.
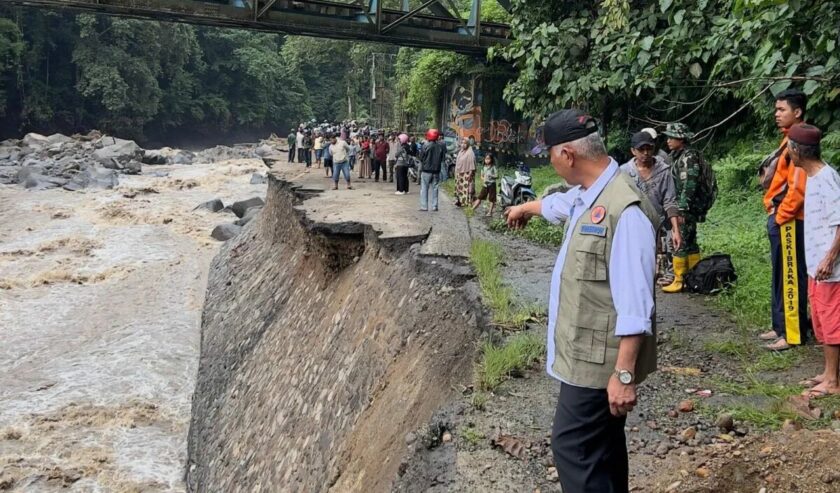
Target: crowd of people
(345, 148)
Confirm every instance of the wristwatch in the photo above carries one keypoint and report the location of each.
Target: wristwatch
(624, 376)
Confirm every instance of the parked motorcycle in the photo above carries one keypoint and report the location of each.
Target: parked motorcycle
(414, 165)
(516, 190)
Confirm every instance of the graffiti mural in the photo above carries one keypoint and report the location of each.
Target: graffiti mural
(463, 112)
(473, 109)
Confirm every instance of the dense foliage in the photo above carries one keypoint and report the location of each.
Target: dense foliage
(699, 60)
(66, 72)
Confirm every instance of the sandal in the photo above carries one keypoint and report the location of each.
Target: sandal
(335, 187)
(770, 335)
(811, 382)
(780, 345)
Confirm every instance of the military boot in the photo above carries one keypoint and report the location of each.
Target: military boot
(680, 268)
(692, 260)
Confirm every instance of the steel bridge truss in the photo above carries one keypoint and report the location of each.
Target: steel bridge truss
(429, 24)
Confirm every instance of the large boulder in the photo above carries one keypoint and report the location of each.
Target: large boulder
(224, 232)
(35, 141)
(33, 179)
(241, 207)
(249, 214)
(258, 179)
(167, 155)
(92, 176)
(122, 155)
(214, 205)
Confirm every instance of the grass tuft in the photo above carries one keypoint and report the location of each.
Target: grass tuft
(499, 363)
(472, 435)
(486, 257)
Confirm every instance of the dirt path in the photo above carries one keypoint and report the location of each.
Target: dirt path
(100, 302)
(670, 451)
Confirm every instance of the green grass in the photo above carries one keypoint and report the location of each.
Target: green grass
(479, 400)
(738, 349)
(498, 363)
(472, 435)
(486, 258)
(771, 418)
(754, 386)
(774, 361)
(737, 225)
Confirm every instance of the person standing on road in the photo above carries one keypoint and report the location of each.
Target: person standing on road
(653, 177)
(695, 196)
(291, 140)
(339, 152)
(465, 175)
(822, 251)
(326, 155)
(380, 158)
(364, 158)
(601, 333)
(431, 157)
(784, 201)
(489, 176)
(307, 149)
(319, 149)
(299, 144)
(393, 146)
(401, 168)
(354, 151)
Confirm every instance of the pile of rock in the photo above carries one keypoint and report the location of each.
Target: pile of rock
(77, 162)
(245, 210)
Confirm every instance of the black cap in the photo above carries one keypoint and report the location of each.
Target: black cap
(565, 126)
(641, 139)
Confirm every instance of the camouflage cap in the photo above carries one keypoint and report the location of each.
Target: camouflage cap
(678, 131)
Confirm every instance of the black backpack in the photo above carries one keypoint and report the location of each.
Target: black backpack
(711, 275)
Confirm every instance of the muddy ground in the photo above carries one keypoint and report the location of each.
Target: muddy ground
(670, 451)
(100, 301)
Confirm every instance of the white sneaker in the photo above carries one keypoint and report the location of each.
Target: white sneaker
(397, 193)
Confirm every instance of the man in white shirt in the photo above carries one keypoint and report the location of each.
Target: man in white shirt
(601, 334)
(822, 251)
(340, 151)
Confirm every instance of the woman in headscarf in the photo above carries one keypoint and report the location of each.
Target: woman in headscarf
(465, 175)
(364, 157)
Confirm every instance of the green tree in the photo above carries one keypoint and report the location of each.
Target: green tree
(672, 58)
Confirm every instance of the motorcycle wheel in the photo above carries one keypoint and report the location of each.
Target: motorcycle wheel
(521, 198)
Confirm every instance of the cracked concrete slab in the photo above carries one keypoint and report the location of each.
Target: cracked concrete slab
(392, 216)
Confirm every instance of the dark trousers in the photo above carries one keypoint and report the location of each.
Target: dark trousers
(307, 157)
(688, 231)
(300, 155)
(790, 281)
(391, 164)
(377, 165)
(291, 153)
(402, 178)
(589, 446)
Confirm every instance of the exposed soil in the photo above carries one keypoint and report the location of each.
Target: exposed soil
(505, 445)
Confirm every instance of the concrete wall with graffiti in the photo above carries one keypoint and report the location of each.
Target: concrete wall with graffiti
(472, 108)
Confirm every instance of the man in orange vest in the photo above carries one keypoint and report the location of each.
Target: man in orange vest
(784, 201)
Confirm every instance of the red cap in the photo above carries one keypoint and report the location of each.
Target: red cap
(805, 134)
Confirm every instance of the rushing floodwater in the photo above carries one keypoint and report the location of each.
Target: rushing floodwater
(100, 306)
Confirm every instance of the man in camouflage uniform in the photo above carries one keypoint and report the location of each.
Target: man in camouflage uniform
(686, 170)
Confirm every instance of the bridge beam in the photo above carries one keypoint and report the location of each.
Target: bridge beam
(319, 18)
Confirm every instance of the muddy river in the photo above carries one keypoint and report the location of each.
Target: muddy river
(100, 306)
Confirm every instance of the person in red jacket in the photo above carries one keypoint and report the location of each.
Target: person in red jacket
(380, 158)
(784, 201)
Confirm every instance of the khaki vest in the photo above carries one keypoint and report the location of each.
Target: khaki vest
(586, 348)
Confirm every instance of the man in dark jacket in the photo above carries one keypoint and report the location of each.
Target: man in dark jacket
(432, 157)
